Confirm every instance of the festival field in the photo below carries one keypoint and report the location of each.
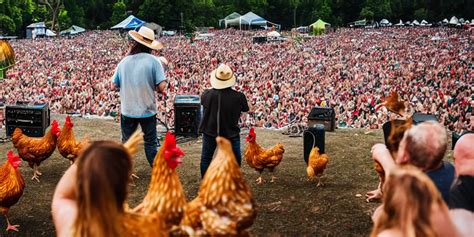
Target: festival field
(291, 206)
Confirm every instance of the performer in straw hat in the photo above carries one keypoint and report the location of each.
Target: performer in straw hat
(137, 77)
(222, 110)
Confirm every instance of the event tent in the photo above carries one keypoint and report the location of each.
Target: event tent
(318, 27)
(73, 30)
(416, 23)
(36, 29)
(230, 17)
(385, 22)
(250, 19)
(400, 23)
(50, 33)
(131, 22)
(273, 34)
(454, 21)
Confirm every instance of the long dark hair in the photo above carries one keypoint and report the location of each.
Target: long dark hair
(138, 48)
(103, 172)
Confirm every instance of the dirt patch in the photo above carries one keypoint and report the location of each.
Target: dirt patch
(290, 206)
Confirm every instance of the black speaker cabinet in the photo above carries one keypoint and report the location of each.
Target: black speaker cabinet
(313, 136)
(32, 119)
(259, 39)
(187, 115)
(322, 115)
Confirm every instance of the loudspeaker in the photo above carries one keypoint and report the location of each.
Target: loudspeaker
(421, 117)
(322, 115)
(313, 136)
(259, 39)
(187, 115)
(32, 119)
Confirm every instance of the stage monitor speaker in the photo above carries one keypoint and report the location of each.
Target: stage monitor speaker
(313, 136)
(259, 39)
(187, 115)
(322, 115)
(421, 117)
(32, 119)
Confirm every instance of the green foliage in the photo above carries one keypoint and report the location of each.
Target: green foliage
(118, 12)
(7, 25)
(421, 14)
(367, 13)
(64, 20)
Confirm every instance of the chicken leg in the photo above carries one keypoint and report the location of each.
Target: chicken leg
(36, 173)
(10, 226)
(319, 181)
(260, 180)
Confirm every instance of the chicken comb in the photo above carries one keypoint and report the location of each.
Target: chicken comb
(69, 122)
(12, 157)
(170, 140)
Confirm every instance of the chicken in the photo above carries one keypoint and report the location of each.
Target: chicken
(131, 145)
(316, 165)
(259, 158)
(11, 186)
(36, 150)
(395, 137)
(68, 147)
(393, 104)
(165, 194)
(138, 225)
(7, 55)
(224, 205)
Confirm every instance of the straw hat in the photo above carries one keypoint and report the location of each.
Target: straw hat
(146, 36)
(223, 77)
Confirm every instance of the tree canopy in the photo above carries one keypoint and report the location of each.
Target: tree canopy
(15, 15)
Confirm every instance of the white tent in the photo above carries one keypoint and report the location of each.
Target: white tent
(131, 22)
(249, 19)
(415, 22)
(50, 33)
(273, 34)
(445, 21)
(454, 21)
(400, 23)
(408, 23)
(73, 30)
(229, 18)
(385, 22)
(461, 20)
(472, 22)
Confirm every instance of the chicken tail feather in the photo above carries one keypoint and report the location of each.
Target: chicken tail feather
(133, 142)
(310, 171)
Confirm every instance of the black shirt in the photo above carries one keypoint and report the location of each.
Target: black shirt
(462, 193)
(232, 104)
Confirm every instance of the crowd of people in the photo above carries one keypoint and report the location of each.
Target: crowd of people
(351, 70)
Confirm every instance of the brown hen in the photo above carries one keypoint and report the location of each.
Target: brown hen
(224, 206)
(316, 165)
(68, 147)
(11, 186)
(261, 159)
(36, 150)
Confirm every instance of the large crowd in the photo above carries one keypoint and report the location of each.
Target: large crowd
(351, 70)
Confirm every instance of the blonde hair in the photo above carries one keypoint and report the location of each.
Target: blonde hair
(410, 198)
(102, 186)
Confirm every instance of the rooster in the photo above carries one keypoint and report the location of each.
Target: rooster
(68, 147)
(393, 104)
(224, 205)
(36, 150)
(316, 165)
(138, 225)
(165, 194)
(395, 137)
(259, 158)
(11, 186)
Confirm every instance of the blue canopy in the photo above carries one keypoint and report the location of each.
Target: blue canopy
(131, 22)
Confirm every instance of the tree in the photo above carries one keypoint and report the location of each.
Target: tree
(367, 13)
(118, 12)
(54, 7)
(323, 12)
(64, 21)
(421, 14)
(7, 25)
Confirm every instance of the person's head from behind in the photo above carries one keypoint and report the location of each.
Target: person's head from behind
(410, 200)
(423, 146)
(464, 155)
(103, 172)
(143, 41)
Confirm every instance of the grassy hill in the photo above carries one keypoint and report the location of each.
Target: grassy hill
(290, 206)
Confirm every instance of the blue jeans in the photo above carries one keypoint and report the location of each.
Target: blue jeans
(209, 146)
(148, 125)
